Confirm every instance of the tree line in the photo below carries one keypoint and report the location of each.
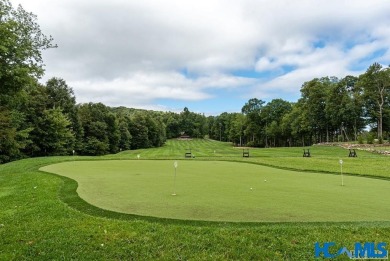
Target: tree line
(329, 110)
(44, 119)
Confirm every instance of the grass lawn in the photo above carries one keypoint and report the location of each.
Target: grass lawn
(225, 191)
(42, 217)
(323, 158)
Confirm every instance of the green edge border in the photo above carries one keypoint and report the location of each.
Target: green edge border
(67, 193)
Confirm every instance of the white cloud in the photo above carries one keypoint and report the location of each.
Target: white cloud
(132, 52)
(142, 88)
(265, 64)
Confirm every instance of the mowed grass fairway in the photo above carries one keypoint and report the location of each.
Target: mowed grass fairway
(42, 216)
(226, 191)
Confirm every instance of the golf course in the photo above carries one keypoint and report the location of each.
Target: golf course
(157, 204)
(225, 191)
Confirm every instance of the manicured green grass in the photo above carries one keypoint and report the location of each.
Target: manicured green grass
(323, 158)
(42, 217)
(225, 191)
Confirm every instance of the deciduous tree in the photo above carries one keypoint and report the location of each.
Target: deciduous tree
(375, 83)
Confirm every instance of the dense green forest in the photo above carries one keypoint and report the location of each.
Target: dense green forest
(44, 119)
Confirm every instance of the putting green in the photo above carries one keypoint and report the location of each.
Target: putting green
(226, 191)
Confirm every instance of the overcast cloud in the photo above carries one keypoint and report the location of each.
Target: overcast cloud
(213, 54)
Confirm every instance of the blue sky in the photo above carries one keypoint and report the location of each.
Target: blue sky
(208, 55)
